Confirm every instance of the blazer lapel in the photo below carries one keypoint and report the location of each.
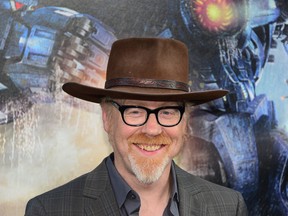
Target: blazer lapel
(98, 193)
(189, 204)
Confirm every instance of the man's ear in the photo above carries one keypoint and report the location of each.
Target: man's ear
(105, 117)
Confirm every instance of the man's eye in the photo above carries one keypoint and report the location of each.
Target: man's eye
(134, 112)
(168, 112)
(165, 112)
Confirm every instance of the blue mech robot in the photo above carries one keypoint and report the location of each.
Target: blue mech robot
(42, 47)
(233, 141)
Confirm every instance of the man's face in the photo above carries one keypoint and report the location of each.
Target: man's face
(143, 151)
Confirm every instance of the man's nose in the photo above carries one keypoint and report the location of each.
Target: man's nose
(152, 127)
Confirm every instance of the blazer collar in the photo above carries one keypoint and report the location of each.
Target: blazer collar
(99, 194)
(188, 188)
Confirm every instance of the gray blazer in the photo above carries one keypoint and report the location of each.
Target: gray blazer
(92, 194)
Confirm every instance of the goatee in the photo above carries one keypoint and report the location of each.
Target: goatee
(149, 169)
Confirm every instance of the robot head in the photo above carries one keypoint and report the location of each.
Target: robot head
(215, 17)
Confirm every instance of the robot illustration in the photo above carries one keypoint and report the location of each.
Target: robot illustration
(35, 42)
(236, 138)
(233, 141)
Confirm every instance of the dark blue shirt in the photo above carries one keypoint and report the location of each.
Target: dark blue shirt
(129, 201)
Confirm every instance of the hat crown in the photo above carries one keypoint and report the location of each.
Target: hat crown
(148, 60)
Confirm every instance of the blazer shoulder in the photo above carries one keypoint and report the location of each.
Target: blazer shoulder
(198, 184)
(76, 186)
(50, 202)
(70, 194)
(216, 199)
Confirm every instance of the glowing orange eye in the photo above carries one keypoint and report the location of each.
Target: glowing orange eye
(215, 15)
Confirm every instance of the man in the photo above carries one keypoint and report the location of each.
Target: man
(145, 106)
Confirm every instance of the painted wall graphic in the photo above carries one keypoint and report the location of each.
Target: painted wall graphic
(47, 138)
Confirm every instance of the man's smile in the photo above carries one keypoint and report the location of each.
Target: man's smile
(149, 147)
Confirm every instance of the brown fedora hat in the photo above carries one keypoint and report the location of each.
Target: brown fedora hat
(153, 69)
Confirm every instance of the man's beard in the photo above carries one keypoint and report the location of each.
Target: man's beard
(148, 169)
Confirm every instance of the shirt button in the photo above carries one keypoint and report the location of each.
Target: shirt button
(132, 196)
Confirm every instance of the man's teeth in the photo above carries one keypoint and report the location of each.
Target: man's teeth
(149, 147)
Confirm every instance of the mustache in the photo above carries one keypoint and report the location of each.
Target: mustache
(160, 139)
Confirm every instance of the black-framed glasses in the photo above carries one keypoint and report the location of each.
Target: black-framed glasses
(167, 116)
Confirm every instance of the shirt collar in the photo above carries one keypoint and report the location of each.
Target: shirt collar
(120, 187)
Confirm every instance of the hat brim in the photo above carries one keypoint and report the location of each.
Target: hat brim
(95, 95)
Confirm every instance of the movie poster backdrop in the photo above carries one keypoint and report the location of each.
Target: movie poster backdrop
(48, 138)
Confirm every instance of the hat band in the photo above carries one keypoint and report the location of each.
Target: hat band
(147, 83)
